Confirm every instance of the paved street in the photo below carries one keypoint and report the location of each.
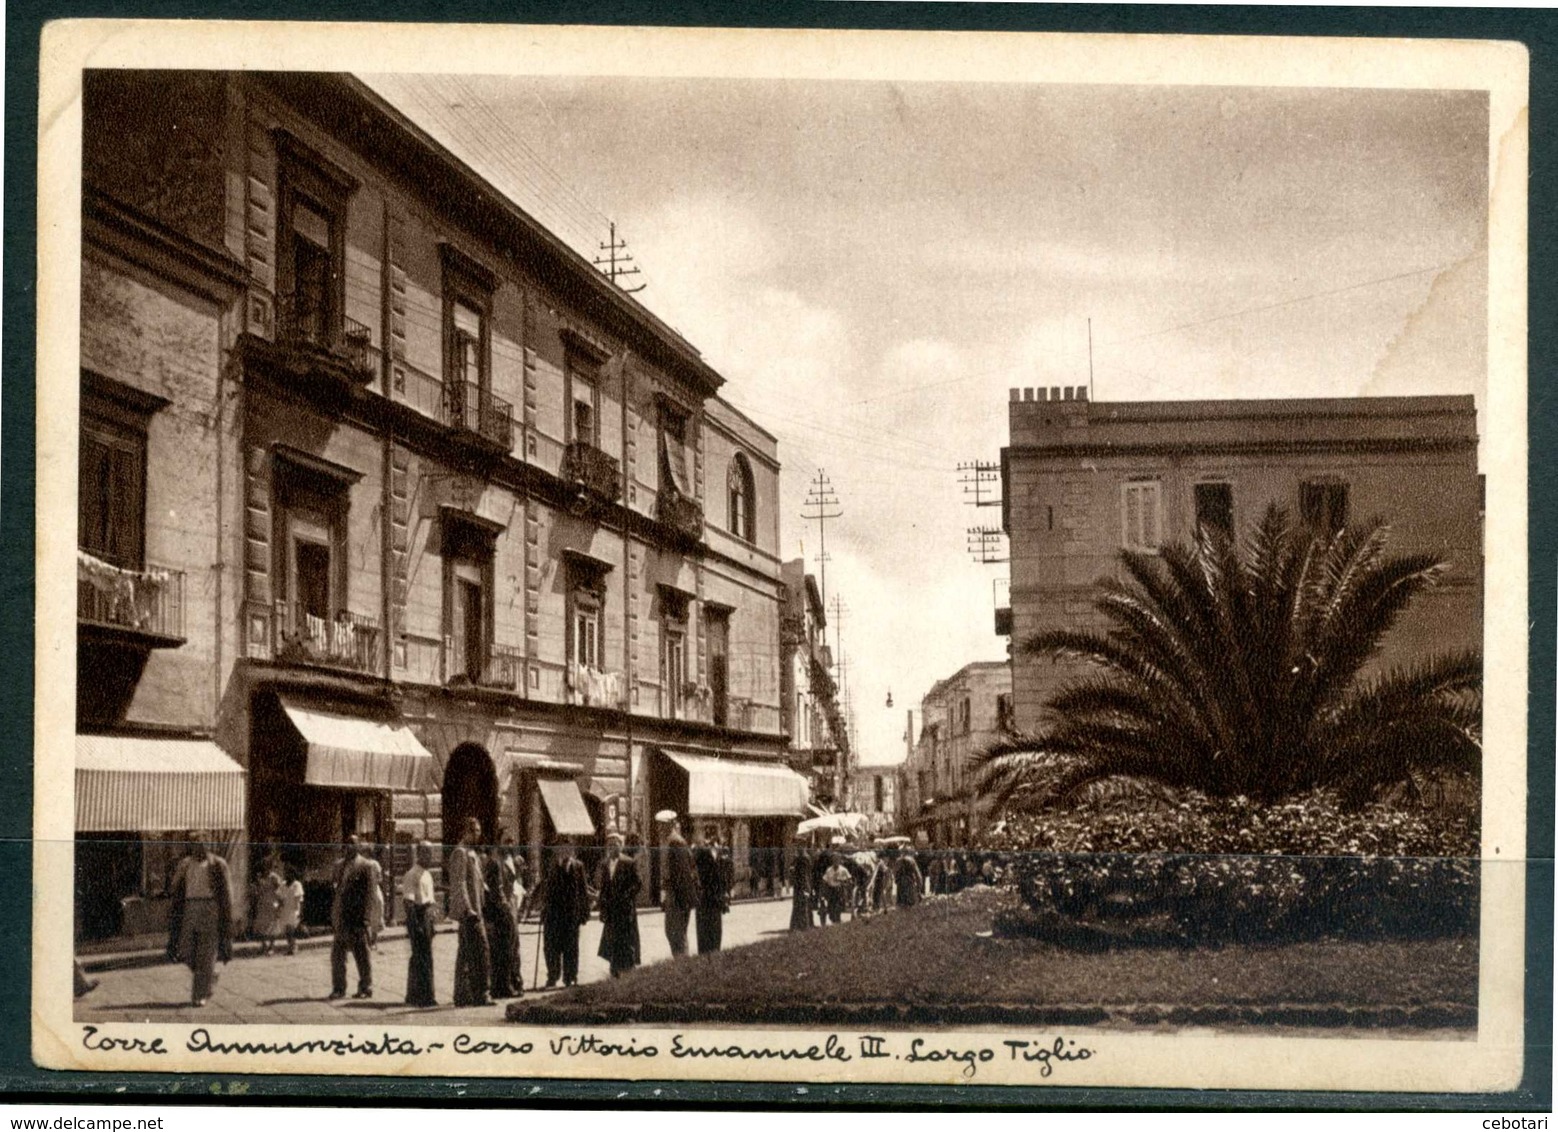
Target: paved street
(291, 989)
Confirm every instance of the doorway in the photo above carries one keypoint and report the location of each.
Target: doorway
(470, 791)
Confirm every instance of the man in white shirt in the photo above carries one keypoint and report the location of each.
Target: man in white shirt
(416, 890)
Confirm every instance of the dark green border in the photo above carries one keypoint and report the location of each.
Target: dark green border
(19, 1080)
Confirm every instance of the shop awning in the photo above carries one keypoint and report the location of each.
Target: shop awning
(359, 753)
(728, 788)
(566, 806)
(146, 784)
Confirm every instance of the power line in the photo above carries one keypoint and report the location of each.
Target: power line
(613, 272)
(820, 506)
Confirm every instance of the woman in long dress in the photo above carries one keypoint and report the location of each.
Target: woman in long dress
(619, 887)
(502, 928)
(800, 898)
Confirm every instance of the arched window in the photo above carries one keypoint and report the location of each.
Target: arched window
(742, 521)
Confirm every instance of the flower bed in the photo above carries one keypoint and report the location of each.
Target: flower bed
(1205, 870)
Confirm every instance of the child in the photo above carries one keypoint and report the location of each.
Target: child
(289, 910)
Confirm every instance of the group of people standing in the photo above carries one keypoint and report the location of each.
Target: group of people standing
(829, 882)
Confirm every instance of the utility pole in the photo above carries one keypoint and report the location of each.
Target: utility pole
(612, 261)
(976, 476)
(984, 543)
(820, 506)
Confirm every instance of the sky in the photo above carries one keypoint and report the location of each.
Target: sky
(873, 265)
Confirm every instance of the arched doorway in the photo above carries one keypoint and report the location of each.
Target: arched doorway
(470, 791)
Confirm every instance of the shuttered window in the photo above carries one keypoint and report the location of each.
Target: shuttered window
(1141, 515)
(112, 516)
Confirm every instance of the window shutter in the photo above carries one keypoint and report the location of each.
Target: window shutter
(127, 505)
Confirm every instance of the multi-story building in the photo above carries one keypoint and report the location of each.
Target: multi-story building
(960, 716)
(874, 792)
(819, 741)
(394, 510)
(1083, 480)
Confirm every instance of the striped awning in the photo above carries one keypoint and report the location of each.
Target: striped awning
(360, 753)
(565, 804)
(731, 788)
(143, 784)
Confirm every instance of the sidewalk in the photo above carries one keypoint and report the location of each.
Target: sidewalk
(151, 950)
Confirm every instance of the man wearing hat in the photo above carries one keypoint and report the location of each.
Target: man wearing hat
(681, 884)
(619, 886)
(565, 906)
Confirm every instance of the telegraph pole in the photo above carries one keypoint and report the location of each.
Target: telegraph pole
(611, 262)
(976, 476)
(820, 506)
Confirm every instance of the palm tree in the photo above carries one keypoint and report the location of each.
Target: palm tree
(1238, 669)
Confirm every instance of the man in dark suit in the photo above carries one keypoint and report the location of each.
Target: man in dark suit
(619, 887)
(713, 890)
(681, 889)
(354, 883)
(565, 905)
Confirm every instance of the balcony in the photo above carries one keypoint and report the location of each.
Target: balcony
(590, 468)
(349, 640)
(502, 668)
(470, 407)
(146, 605)
(593, 687)
(681, 513)
(305, 327)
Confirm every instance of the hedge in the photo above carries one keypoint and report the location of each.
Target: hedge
(1208, 870)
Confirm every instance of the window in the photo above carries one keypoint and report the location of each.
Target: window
(1003, 711)
(1141, 517)
(584, 420)
(1214, 508)
(966, 717)
(673, 450)
(673, 663)
(586, 630)
(467, 317)
(311, 243)
(1323, 506)
(311, 516)
(877, 795)
(718, 627)
(111, 522)
(586, 641)
(673, 649)
(467, 551)
(740, 493)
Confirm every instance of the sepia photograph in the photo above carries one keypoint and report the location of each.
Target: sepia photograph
(782, 556)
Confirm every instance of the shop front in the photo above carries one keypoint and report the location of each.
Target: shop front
(321, 771)
(138, 797)
(754, 806)
(554, 806)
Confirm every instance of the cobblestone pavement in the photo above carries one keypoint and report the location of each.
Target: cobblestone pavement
(291, 989)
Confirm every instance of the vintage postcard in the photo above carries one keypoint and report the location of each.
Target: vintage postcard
(781, 556)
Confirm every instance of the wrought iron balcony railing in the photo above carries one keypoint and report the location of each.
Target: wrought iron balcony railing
(347, 640)
(149, 601)
(680, 512)
(307, 323)
(593, 470)
(469, 406)
(501, 666)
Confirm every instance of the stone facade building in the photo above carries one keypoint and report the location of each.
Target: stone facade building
(395, 511)
(959, 717)
(1083, 480)
(819, 741)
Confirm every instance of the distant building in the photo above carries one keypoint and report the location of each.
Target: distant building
(809, 707)
(1084, 480)
(875, 794)
(959, 716)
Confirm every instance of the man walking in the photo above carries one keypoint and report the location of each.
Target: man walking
(200, 921)
(565, 906)
(681, 885)
(472, 964)
(713, 891)
(350, 918)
